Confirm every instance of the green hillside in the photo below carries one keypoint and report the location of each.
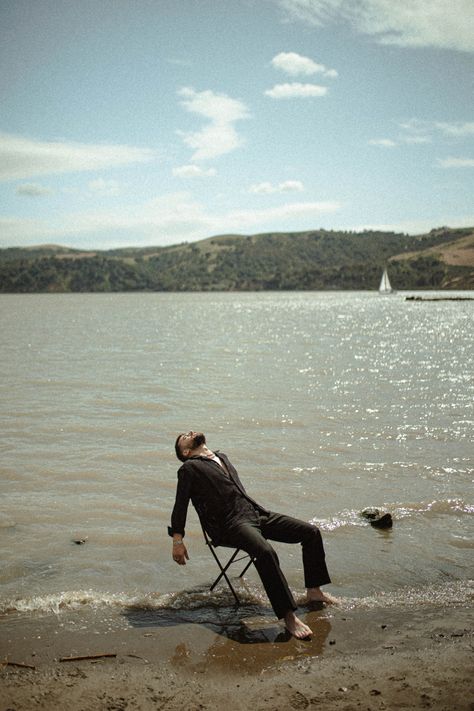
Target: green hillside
(317, 259)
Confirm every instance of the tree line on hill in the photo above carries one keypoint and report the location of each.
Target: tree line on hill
(281, 261)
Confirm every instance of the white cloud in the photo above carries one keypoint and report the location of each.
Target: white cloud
(237, 219)
(408, 23)
(295, 64)
(216, 107)
(219, 136)
(213, 141)
(295, 90)
(33, 190)
(416, 139)
(24, 157)
(421, 131)
(267, 188)
(193, 171)
(106, 188)
(383, 142)
(16, 231)
(456, 162)
(416, 126)
(172, 217)
(456, 128)
(418, 227)
(169, 219)
(179, 62)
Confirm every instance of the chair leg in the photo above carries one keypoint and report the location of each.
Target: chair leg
(236, 597)
(223, 569)
(223, 574)
(246, 567)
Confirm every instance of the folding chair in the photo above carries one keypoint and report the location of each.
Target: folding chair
(223, 568)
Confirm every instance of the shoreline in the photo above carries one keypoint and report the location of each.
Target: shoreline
(373, 659)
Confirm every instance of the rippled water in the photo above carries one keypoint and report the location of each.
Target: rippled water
(326, 402)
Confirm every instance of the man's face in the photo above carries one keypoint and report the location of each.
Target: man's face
(191, 440)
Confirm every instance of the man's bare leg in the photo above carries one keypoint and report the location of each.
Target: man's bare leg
(317, 595)
(296, 627)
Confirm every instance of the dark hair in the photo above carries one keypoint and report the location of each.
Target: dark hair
(177, 449)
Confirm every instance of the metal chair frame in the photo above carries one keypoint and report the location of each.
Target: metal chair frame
(224, 568)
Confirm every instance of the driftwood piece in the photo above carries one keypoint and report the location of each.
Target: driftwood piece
(86, 657)
(7, 663)
(136, 656)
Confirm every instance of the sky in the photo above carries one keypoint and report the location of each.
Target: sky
(156, 122)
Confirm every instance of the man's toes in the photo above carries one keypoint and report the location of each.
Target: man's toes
(303, 632)
(304, 635)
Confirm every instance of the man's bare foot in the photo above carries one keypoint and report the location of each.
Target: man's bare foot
(295, 627)
(317, 595)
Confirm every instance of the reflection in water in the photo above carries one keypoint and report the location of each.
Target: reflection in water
(259, 649)
(243, 639)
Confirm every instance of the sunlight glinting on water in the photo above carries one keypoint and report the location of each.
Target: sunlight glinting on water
(326, 402)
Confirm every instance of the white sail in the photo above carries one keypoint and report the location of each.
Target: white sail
(385, 286)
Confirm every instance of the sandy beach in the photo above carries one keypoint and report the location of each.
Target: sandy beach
(357, 659)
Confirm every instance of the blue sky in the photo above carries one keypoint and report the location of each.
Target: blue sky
(153, 122)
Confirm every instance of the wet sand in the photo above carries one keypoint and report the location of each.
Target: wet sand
(357, 659)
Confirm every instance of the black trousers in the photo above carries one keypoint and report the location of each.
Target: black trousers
(252, 537)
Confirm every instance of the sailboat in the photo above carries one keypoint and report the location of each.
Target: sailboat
(385, 286)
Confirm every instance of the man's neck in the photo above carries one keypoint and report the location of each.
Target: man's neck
(202, 451)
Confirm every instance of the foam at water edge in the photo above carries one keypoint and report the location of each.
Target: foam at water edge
(449, 594)
(453, 593)
(77, 599)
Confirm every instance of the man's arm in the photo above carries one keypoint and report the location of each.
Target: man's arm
(178, 517)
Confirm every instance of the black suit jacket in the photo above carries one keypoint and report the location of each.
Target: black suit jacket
(218, 497)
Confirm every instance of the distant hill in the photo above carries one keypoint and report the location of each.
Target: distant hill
(318, 259)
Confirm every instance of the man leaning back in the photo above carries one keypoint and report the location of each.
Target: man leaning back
(232, 518)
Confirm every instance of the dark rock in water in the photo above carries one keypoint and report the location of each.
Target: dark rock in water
(370, 513)
(384, 521)
(377, 518)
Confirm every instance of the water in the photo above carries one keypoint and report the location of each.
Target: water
(326, 402)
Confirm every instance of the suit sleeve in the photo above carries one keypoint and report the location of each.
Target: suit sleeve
(183, 495)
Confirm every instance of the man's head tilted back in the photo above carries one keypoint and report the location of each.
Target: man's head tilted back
(186, 443)
(177, 449)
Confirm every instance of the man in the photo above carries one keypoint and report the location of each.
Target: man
(232, 518)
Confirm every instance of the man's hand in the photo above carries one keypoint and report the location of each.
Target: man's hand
(180, 554)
